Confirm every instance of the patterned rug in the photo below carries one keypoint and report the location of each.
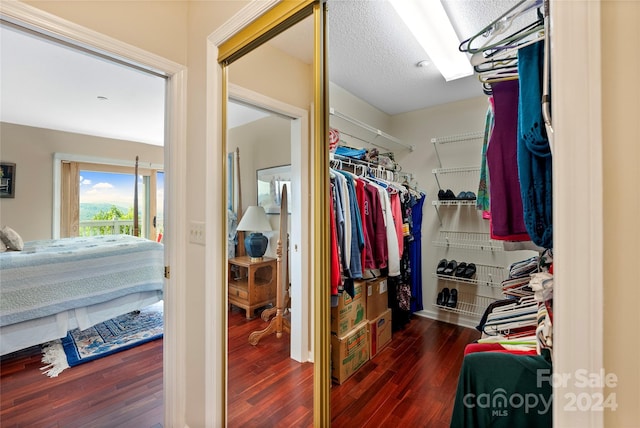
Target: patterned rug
(114, 335)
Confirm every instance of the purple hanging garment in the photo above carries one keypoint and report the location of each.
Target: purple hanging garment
(507, 222)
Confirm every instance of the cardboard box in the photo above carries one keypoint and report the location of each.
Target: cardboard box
(350, 311)
(349, 353)
(379, 333)
(377, 297)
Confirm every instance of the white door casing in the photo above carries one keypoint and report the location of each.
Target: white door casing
(174, 355)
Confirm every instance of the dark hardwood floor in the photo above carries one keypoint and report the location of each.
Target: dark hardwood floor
(122, 390)
(411, 382)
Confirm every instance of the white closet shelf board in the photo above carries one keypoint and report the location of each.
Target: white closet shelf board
(454, 202)
(467, 240)
(486, 275)
(469, 304)
(364, 132)
(467, 137)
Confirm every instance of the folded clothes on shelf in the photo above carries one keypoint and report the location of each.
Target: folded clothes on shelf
(350, 152)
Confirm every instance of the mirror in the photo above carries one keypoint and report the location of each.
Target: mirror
(257, 140)
(285, 87)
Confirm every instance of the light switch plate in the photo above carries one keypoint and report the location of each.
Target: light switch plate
(197, 232)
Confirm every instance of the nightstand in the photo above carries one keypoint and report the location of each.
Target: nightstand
(252, 285)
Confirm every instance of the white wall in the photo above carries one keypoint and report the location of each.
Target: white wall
(346, 103)
(155, 26)
(264, 143)
(30, 213)
(418, 128)
(272, 73)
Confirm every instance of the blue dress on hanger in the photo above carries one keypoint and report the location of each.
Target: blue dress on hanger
(415, 254)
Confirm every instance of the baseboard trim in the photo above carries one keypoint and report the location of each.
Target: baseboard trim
(448, 317)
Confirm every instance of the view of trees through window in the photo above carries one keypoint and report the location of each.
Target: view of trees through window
(106, 203)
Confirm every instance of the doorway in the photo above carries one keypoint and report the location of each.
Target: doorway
(266, 140)
(174, 155)
(291, 148)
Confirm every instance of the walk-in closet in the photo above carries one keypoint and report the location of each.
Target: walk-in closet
(476, 227)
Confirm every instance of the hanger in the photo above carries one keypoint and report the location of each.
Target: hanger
(505, 57)
(491, 64)
(486, 89)
(376, 174)
(498, 26)
(507, 53)
(501, 69)
(509, 42)
(494, 78)
(497, 70)
(336, 163)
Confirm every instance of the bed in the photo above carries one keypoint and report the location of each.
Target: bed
(53, 286)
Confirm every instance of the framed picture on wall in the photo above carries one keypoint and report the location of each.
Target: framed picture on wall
(270, 181)
(7, 179)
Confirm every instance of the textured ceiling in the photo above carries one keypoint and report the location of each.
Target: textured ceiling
(374, 56)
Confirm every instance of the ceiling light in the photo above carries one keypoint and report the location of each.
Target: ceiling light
(423, 63)
(101, 98)
(430, 25)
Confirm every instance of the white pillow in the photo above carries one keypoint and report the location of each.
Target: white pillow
(11, 239)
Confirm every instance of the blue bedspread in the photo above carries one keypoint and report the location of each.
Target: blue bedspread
(51, 276)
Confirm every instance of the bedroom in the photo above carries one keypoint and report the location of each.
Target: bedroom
(197, 205)
(54, 160)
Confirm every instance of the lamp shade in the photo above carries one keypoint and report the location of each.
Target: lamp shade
(255, 220)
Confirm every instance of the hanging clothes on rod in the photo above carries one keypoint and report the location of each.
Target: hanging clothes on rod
(534, 149)
(513, 71)
(363, 168)
(390, 216)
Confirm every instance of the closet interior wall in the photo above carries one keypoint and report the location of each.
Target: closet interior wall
(417, 128)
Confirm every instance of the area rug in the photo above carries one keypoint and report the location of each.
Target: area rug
(106, 338)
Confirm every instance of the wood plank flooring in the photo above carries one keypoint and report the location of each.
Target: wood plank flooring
(411, 382)
(122, 390)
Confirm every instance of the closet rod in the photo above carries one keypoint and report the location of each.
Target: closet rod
(369, 128)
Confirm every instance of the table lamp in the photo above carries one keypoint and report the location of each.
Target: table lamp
(255, 220)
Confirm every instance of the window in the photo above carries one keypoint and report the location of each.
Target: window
(98, 199)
